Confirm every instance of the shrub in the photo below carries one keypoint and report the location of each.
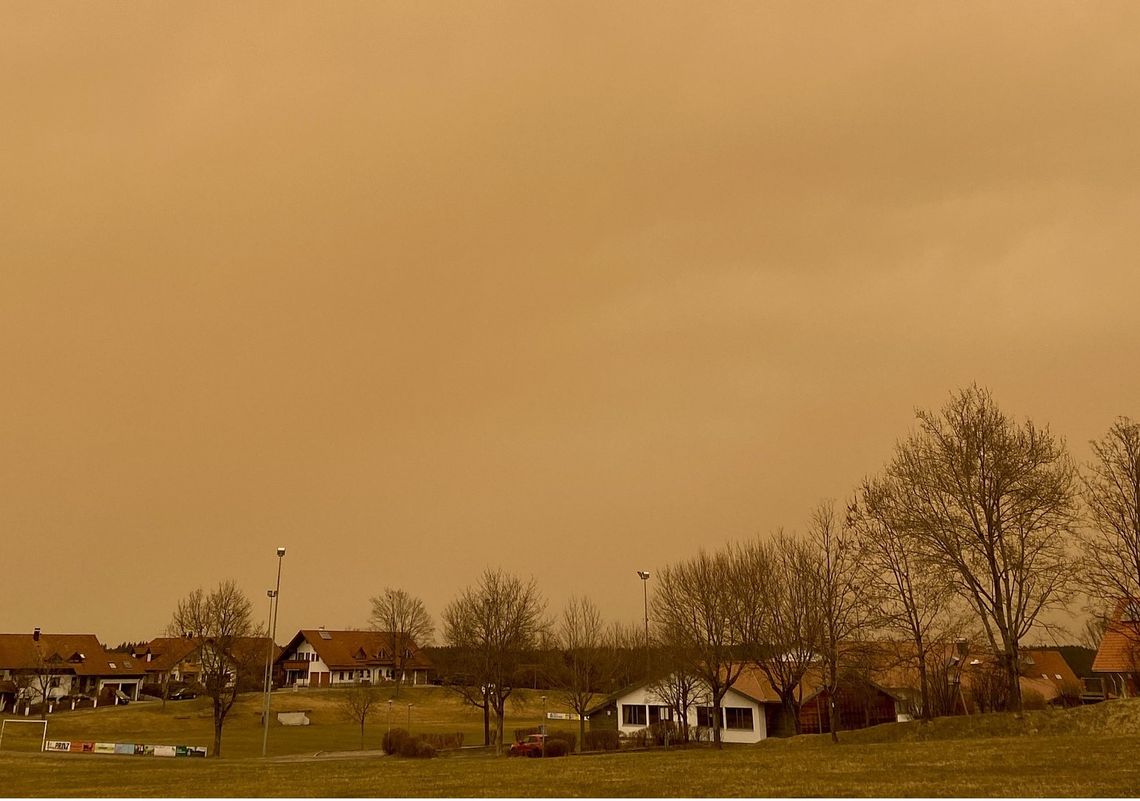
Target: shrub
(417, 749)
(658, 732)
(557, 747)
(1032, 699)
(394, 740)
(602, 740)
(569, 736)
(441, 741)
(637, 739)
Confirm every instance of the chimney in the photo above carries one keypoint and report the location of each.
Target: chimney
(36, 635)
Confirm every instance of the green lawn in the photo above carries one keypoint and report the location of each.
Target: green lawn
(1086, 752)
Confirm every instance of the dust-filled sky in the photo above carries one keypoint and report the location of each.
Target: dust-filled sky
(419, 288)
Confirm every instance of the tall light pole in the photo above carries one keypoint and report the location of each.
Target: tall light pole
(544, 726)
(274, 605)
(389, 718)
(644, 576)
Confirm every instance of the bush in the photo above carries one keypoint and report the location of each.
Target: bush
(637, 739)
(602, 740)
(658, 732)
(417, 749)
(441, 741)
(557, 747)
(394, 740)
(569, 736)
(1032, 699)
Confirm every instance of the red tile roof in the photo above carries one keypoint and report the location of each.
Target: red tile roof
(78, 654)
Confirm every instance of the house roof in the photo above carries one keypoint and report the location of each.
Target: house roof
(346, 650)
(165, 653)
(1119, 650)
(78, 654)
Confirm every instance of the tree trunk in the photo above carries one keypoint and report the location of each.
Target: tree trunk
(581, 731)
(716, 720)
(923, 684)
(486, 721)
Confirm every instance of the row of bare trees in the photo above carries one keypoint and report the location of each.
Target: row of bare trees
(978, 523)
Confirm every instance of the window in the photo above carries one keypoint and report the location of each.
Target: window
(633, 715)
(704, 717)
(660, 713)
(738, 718)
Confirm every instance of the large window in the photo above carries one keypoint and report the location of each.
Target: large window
(704, 717)
(633, 715)
(660, 713)
(738, 718)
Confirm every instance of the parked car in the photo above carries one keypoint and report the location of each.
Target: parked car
(530, 746)
(183, 694)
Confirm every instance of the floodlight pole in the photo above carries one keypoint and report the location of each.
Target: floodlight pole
(644, 576)
(274, 605)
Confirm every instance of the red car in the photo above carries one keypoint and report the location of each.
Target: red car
(531, 746)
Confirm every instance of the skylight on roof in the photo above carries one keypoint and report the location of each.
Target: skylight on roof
(325, 635)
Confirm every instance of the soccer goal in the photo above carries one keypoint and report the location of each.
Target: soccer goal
(21, 738)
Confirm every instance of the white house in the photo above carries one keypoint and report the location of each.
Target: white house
(742, 716)
(323, 658)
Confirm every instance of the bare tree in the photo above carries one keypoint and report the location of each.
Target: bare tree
(697, 607)
(404, 622)
(358, 703)
(779, 578)
(220, 623)
(583, 659)
(1112, 497)
(680, 689)
(909, 595)
(844, 612)
(490, 627)
(993, 503)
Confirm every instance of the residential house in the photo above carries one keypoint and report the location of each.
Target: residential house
(179, 659)
(1118, 657)
(743, 716)
(323, 658)
(39, 664)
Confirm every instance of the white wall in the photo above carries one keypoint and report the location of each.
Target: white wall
(642, 697)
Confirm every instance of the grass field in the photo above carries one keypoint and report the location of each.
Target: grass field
(1086, 752)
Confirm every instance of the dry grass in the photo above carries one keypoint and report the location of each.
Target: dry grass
(1083, 752)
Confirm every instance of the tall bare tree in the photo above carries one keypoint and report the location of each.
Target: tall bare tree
(779, 579)
(490, 628)
(404, 622)
(844, 611)
(993, 503)
(583, 660)
(220, 623)
(1111, 544)
(697, 607)
(909, 595)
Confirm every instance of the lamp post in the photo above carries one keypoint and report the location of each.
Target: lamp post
(409, 717)
(274, 605)
(544, 726)
(389, 718)
(644, 576)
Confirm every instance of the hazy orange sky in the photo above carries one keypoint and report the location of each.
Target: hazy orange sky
(573, 289)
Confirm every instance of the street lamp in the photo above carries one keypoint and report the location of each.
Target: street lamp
(274, 605)
(544, 726)
(644, 576)
(409, 717)
(389, 718)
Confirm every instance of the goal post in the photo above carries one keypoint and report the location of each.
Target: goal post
(43, 735)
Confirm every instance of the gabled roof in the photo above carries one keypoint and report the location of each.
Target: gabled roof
(77, 654)
(165, 653)
(347, 650)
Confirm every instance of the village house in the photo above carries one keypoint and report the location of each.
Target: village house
(1117, 659)
(36, 665)
(323, 658)
(178, 660)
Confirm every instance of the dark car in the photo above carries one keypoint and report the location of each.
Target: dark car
(183, 694)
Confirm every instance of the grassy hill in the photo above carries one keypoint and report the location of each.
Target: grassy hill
(1088, 751)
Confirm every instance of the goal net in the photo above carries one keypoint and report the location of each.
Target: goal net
(23, 734)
